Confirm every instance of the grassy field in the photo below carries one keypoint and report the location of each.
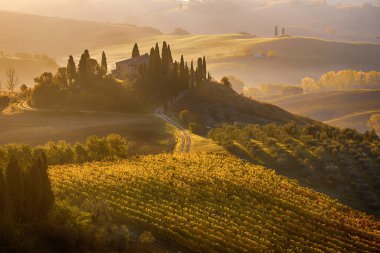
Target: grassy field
(351, 108)
(233, 54)
(37, 128)
(216, 203)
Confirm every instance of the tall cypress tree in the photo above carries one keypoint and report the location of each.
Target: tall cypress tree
(34, 183)
(104, 65)
(276, 31)
(84, 68)
(71, 70)
(47, 197)
(135, 51)
(15, 188)
(204, 65)
(175, 80)
(165, 59)
(157, 71)
(151, 63)
(199, 71)
(187, 77)
(192, 74)
(170, 57)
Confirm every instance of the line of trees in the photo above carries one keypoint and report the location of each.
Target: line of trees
(342, 80)
(25, 193)
(164, 79)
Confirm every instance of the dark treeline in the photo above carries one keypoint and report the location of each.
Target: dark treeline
(164, 79)
(26, 197)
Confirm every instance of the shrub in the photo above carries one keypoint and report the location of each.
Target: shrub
(196, 128)
(146, 237)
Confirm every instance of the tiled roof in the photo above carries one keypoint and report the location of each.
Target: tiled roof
(137, 61)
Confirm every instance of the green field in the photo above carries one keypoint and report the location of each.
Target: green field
(216, 203)
(37, 128)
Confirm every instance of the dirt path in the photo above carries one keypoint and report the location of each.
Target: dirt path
(186, 141)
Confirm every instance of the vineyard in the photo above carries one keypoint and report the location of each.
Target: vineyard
(216, 203)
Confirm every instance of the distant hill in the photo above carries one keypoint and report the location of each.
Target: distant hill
(215, 203)
(217, 104)
(59, 37)
(233, 54)
(27, 67)
(351, 108)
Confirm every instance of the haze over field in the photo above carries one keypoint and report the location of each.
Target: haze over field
(341, 20)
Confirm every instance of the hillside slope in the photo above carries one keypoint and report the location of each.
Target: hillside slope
(351, 108)
(215, 203)
(233, 54)
(26, 66)
(217, 104)
(60, 37)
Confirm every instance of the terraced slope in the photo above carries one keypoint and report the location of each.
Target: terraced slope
(216, 203)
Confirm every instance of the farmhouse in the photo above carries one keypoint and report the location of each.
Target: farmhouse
(130, 68)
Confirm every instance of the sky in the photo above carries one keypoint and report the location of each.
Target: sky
(161, 14)
(120, 10)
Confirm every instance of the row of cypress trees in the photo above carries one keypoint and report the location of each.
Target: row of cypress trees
(25, 193)
(164, 78)
(87, 71)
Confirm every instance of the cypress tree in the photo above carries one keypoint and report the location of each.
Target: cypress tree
(71, 70)
(151, 63)
(283, 31)
(204, 65)
(199, 73)
(187, 77)
(276, 31)
(34, 183)
(192, 74)
(15, 188)
(170, 57)
(47, 197)
(104, 65)
(175, 86)
(157, 62)
(165, 59)
(135, 51)
(84, 67)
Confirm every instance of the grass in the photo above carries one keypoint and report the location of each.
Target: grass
(205, 145)
(215, 203)
(351, 108)
(37, 128)
(232, 54)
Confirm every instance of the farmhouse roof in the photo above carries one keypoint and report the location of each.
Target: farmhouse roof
(137, 61)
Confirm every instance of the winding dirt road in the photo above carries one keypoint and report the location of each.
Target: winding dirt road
(186, 141)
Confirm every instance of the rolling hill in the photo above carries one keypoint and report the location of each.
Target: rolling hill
(26, 66)
(351, 108)
(58, 37)
(216, 203)
(233, 54)
(216, 104)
